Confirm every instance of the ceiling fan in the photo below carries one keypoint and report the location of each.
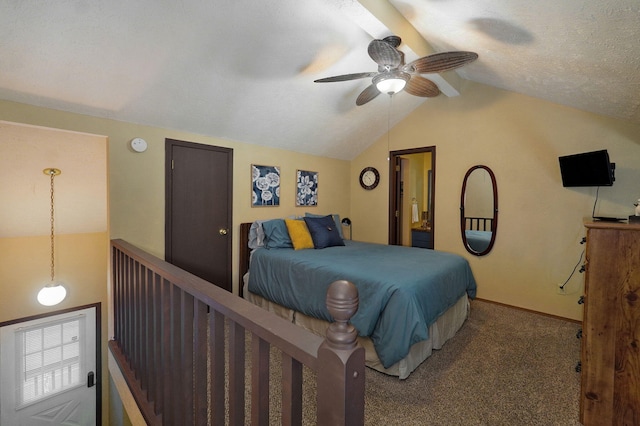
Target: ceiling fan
(394, 75)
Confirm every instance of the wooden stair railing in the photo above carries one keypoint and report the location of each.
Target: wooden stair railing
(170, 343)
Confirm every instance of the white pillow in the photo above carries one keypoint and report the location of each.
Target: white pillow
(256, 235)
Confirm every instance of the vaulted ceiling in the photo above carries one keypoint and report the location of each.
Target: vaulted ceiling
(243, 70)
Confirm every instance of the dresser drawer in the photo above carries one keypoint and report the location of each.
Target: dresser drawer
(421, 239)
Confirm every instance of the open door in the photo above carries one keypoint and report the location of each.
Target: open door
(412, 197)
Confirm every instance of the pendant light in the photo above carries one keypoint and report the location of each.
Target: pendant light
(54, 292)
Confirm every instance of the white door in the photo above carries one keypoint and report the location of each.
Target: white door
(47, 370)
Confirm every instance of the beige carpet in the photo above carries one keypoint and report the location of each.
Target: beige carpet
(504, 367)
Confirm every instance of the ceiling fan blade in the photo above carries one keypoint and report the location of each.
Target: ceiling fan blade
(439, 62)
(345, 77)
(384, 54)
(420, 86)
(367, 94)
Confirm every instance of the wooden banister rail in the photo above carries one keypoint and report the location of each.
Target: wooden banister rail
(173, 331)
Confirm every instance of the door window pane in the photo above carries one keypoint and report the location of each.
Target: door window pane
(51, 359)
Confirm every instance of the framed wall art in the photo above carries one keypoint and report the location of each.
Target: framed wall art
(306, 188)
(265, 186)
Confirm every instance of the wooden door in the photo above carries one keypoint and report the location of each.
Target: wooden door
(199, 188)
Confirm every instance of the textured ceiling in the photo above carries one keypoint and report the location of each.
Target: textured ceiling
(243, 70)
(580, 53)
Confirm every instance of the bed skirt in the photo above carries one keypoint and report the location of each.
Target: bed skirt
(443, 329)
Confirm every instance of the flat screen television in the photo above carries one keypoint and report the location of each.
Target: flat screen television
(587, 169)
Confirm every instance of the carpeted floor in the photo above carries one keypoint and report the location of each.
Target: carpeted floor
(504, 367)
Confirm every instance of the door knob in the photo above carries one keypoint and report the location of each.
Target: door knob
(222, 231)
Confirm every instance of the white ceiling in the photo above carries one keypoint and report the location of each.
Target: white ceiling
(243, 70)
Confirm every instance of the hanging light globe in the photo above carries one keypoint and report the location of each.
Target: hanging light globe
(52, 294)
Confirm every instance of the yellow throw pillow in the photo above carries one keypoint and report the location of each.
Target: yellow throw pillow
(299, 234)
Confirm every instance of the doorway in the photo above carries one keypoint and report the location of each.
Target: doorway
(50, 369)
(199, 189)
(412, 197)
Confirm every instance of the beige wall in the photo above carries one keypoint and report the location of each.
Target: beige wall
(520, 138)
(540, 222)
(136, 180)
(81, 263)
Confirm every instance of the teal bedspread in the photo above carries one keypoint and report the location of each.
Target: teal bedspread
(478, 240)
(402, 290)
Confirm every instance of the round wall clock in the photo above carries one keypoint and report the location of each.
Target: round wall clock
(369, 178)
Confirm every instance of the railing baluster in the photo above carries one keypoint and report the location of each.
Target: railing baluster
(155, 381)
(148, 345)
(144, 328)
(126, 331)
(216, 373)
(115, 290)
(165, 371)
(259, 381)
(291, 391)
(200, 349)
(137, 320)
(174, 364)
(186, 357)
(236, 373)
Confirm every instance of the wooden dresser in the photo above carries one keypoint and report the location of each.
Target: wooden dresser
(610, 381)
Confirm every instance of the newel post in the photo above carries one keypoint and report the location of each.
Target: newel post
(341, 362)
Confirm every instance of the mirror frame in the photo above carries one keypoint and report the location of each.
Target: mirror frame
(494, 222)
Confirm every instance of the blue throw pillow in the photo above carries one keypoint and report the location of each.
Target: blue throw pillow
(324, 232)
(336, 219)
(276, 234)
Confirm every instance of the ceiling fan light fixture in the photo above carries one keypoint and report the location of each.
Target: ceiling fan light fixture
(394, 75)
(391, 82)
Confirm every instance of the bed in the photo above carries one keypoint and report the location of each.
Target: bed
(412, 300)
(478, 240)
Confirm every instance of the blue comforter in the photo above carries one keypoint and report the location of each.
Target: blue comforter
(402, 290)
(478, 240)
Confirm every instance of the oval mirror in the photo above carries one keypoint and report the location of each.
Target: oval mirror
(479, 210)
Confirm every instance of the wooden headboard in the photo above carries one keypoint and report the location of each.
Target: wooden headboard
(243, 256)
(478, 223)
